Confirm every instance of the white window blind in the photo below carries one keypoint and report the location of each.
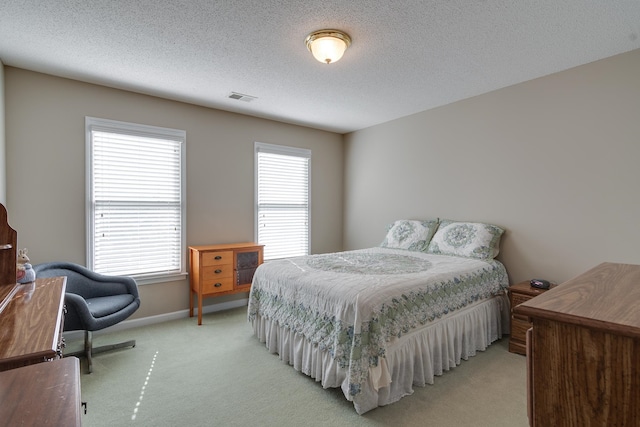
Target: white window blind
(135, 212)
(282, 200)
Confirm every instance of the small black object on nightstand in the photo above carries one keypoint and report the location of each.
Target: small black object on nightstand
(540, 284)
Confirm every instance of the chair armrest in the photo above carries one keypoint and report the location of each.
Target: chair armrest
(77, 313)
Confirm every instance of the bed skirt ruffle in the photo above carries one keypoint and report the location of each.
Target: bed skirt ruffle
(413, 359)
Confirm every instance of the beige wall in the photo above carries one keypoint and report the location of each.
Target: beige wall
(46, 171)
(3, 166)
(555, 161)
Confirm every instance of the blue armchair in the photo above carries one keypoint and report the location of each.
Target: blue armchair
(93, 301)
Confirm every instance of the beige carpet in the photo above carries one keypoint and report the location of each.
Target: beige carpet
(218, 374)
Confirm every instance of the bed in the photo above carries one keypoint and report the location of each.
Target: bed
(378, 321)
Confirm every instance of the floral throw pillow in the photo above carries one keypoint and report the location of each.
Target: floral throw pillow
(466, 239)
(412, 235)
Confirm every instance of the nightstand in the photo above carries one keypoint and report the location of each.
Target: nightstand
(518, 294)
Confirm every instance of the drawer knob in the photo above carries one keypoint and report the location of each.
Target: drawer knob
(218, 257)
(217, 285)
(218, 271)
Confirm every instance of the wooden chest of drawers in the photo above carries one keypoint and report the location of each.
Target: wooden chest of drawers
(217, 270)
(519, 293)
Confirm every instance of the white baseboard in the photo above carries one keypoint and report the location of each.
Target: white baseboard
(150, 320)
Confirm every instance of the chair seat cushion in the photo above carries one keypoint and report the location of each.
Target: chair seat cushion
(104, 306)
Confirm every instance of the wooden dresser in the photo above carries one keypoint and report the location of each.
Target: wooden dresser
(31, 322)
(44, 394)
(583, 351)
(216, 270)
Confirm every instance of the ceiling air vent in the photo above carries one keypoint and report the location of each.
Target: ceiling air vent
(242, 97)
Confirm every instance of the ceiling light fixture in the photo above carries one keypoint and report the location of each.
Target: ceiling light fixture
(328, 46)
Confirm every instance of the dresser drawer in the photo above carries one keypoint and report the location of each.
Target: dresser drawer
(215, 286)
(216, 272)
(216, 258)
(517, 299)
(519, 329)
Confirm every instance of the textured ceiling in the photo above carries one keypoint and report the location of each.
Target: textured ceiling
(406, 56)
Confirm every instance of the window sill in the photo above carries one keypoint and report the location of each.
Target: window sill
(150, 280)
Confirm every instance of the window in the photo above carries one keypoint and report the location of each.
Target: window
(135, 200)
(282, 200)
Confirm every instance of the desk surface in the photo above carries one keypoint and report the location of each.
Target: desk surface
(30, 323)
(604, 298)
(44, 394)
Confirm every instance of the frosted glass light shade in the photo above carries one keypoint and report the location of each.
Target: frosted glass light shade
(328, 46)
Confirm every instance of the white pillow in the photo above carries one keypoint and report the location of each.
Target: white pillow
(412, 235)
(466, 239)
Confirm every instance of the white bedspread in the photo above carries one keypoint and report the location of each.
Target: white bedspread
(354, 305)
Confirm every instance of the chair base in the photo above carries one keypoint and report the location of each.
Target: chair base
(89, 350)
